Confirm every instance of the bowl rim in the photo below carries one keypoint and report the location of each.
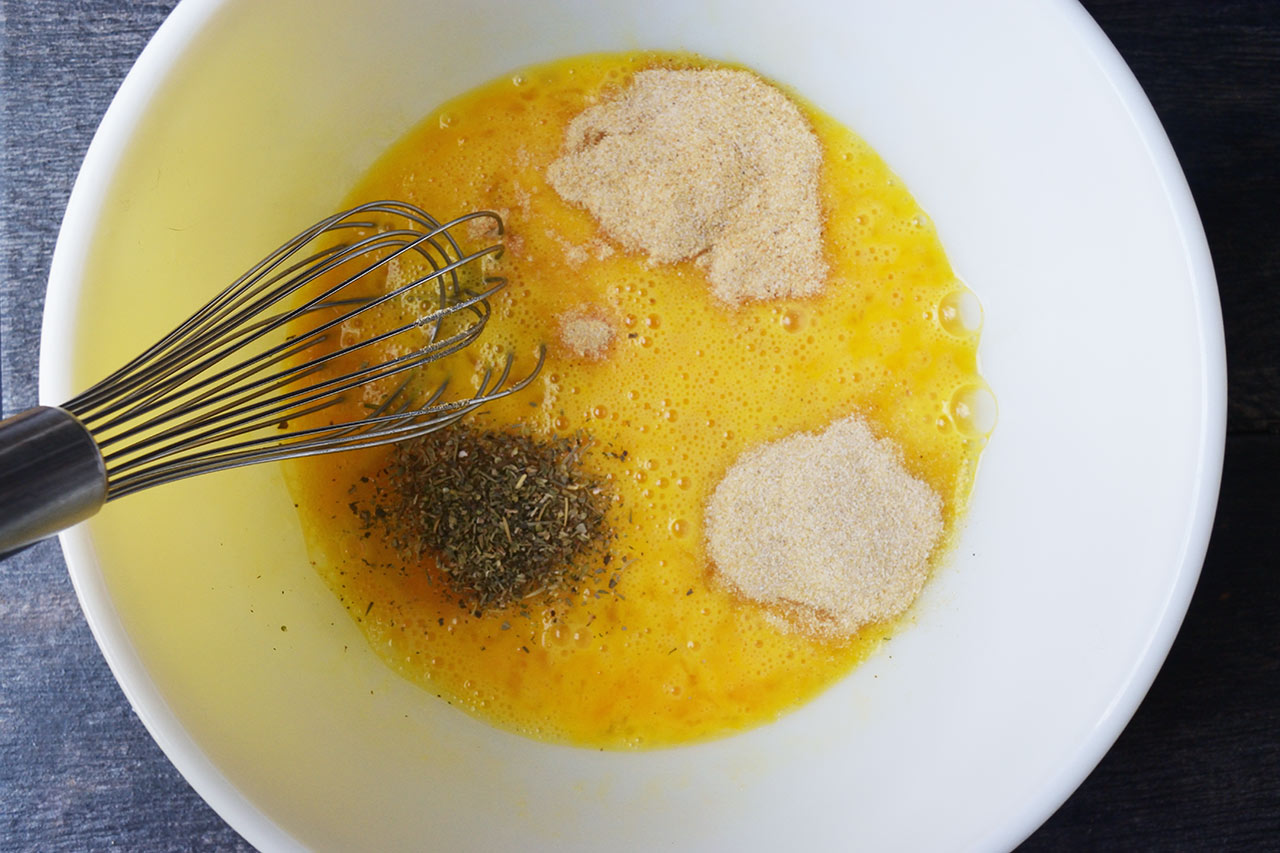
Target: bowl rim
(1212, 430)
(167, 48)
(162, 53)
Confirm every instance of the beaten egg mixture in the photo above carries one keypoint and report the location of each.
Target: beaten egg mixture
(668, 655)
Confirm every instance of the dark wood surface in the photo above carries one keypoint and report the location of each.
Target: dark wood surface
(1198, 768)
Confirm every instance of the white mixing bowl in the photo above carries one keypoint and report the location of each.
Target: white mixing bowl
(1060, 202)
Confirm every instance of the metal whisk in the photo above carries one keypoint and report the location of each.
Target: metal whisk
(244, 378)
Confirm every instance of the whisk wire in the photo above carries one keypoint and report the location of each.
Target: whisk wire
(261, 276)
(204, 392)
(221, 332)
(219, 391)
(240, 414)
(136, 370)
(321, 440)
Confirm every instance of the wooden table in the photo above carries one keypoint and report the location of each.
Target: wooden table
(1199, 766)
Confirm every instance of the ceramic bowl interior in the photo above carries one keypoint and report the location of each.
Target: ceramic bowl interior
(1060, 202)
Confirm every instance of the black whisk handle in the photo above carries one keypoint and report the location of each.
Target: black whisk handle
(51, 475)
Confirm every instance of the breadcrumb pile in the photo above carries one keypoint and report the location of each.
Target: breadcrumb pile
(712, 165)
(830, 529)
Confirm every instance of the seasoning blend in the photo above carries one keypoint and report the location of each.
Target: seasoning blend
(711, 164)
(507, 516)
(719, 166)
(745, 400)
(585, 333)
(829, 529)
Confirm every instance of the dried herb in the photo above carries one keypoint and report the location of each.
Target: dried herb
(508, 516)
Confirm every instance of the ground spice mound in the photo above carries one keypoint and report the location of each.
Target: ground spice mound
(585, 334)
(715, 165)
(829, 529)
(508, 516)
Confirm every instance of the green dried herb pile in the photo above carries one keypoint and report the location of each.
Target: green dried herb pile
(507, 516)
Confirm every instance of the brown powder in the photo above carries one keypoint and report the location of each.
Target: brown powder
(577, 254)
(830, 530)
(585, 333)
(485, 228)
(715, 165)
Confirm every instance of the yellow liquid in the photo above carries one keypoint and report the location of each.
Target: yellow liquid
(687, 386)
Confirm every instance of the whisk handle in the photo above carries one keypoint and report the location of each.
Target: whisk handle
(51, 475)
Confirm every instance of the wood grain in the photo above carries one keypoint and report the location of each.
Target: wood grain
(1198, 767)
